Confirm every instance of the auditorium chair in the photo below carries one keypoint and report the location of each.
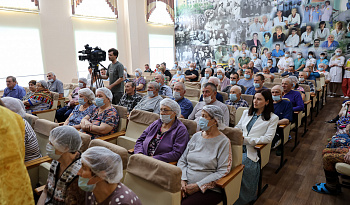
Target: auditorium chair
(75, 80)
(193, 85)
(248, 98)
(42, 129)
(123, 119)
(31, 119)
(192, 94)
(224, 95)
(344, 170)
(239, 113)
(194, 103)
(232, 115)
(307, 105)
(191, 126)
(277, 81)
(50, 113)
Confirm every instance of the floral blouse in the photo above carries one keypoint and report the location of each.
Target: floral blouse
(109, 116)
(139, 81)
(78, 115)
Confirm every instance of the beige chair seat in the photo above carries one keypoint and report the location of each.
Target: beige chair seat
(343, 168)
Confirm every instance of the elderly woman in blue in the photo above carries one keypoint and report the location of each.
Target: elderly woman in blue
(259, 125)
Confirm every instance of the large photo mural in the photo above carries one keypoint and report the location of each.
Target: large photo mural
(227, 30)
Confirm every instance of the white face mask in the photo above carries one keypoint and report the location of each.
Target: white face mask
(165, 118)
(207, 100)
(176, 95)
(268, 64)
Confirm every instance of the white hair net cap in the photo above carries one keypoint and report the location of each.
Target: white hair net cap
(139, 70)
(107, 92)
(174, 106)
(83, 79)
(43, 83)
(216, 113)
(65, 139)
(88, 94)
(104, 163)
(14, 105)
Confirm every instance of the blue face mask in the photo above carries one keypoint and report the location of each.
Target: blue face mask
(243, 70)
(276, 98)
(137, 74)
(320, 69)
(293, 85)
(82, 183)
(301, 79)
(150, 94)
(220, 76)
(51, 151)
(230, 66)
(338, 54)
(254, 57)
(310, 56)
(50, 81)
(81, 101)
(178, 72)
(246, 76)
(232, 82)
(160, 73)
(160, 85)
(286, 55)
(81, 85)
(203, 124)
(207, 75)
(233, 97)
(256, 85)
(322, 57)
(99, 102)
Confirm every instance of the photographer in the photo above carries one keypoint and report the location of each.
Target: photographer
(115, 73)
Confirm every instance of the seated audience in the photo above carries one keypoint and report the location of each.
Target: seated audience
(13, 89)
(241, 71)
(54, 85)
(267, 74)
(259, 80)
(85, 107)
(139, 81)
(235, 98)
(302, 80)
(104, 119)
(259, 125)
(216, 82)
(151, 101)
(207, 74)
(311, 61)
(62, 182)
(268, 56)
(166, 138)
(233, 81)
(224, 81)
(164, 89)
(322, 69)
(63, 113)
(292, 95)
(311, 75)
(100, 176)
(192, 74)
(290, 72)
(41, 100)
(209, 94)
(248, 80)
(176, 64)
(184, 103)
(296, 86)
(148, 69)
(284, 63)
(32, 89)
(30, 141)
(207, 158)
(208, 65)
(178, 77)
(130, 99)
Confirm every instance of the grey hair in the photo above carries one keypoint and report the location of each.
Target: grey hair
(182, 84)
(139, 70)
(52, 73)
(279, 87)
(155, 85)
(83, 79)
(291, 79)
(217, 81)
(162, 76)
(239, 88)
(213, 86)
(209, 69)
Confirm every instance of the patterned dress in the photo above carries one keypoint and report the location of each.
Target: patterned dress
(41, 100)
(78, 115)
(139, 81)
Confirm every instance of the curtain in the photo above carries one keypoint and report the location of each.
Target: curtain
(169, 8)
(151, 5)
(111, 3)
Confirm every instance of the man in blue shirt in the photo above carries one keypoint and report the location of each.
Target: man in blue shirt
(277, 53)
(257, 85)
(311, 75)
(13, 89)
(164, 89)
(291, 72)
(185, 104)
(248, 80)
(293, 96)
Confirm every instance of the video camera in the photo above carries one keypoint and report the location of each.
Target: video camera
(93, 55)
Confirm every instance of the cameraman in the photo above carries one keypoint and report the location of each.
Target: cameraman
(115, 73)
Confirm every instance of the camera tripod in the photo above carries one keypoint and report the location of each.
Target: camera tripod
(96, 76)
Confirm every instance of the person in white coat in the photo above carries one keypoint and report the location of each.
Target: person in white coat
(259, 125)
(336, 64)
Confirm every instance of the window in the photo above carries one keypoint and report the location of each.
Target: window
(27, 5)
(21, 54)
(104, 40)
(96, 8)
(161, 49)
(160, 15)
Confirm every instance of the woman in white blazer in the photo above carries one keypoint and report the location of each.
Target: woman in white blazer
(259, 125)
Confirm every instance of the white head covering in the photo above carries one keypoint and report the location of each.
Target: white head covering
(14, 105)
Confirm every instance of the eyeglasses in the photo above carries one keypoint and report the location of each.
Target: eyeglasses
(164, 110)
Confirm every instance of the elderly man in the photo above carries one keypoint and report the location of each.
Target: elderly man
(285, 62)
(292, 95)
(176, 65)
(54, 84)
(248, 80)
(192, 74)
(268, 56)
(235, 98)
(266, 25)
(255, 26)
(63, 113)
(130, 99)
(185, 104)
(216, 82)
(13, 89)
(259, 80)
(151, 102)
(322, 69)
(208, 65)
(209, 93)
(164, 89)
(267, 74)
(302, 80)
(290, 72)
(311, 75)
(234, 77)
(207, 74)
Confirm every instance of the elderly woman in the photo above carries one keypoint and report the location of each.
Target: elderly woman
(62, 182)
(63, 113)
(32, 89)
(330, 43)
(296, 86)
(85, 107)
(100, 177)
(178, 77)
(30, 141)
(336, 68)
(206, 159)
(224, 81)
(279, 36)
(166, 138)
(41, 100)
(259, 125)
(139, 81)
(104, 119)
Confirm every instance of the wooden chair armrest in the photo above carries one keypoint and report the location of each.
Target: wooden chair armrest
(39, 190)
(173, 163)
(61, 124)
(282, 126)
(297, 112)
(224, 181)
(131, 151)
(259, 146)
(319, 90)
(307, 102)
(312, 94)
(43, 111)
(36, 162)
(112, 136)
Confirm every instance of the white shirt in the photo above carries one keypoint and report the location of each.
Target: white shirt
(307, 38)
(327, 13)
(276, 21)
(267, 26)
(338, 36)
(323, 34)
(326, 75)
(257, 64)
(295, 20)
(285, 63)
(310, 61)
(292, 41)
(254, 28)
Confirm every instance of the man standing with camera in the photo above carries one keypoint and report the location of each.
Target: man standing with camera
(115, 73)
